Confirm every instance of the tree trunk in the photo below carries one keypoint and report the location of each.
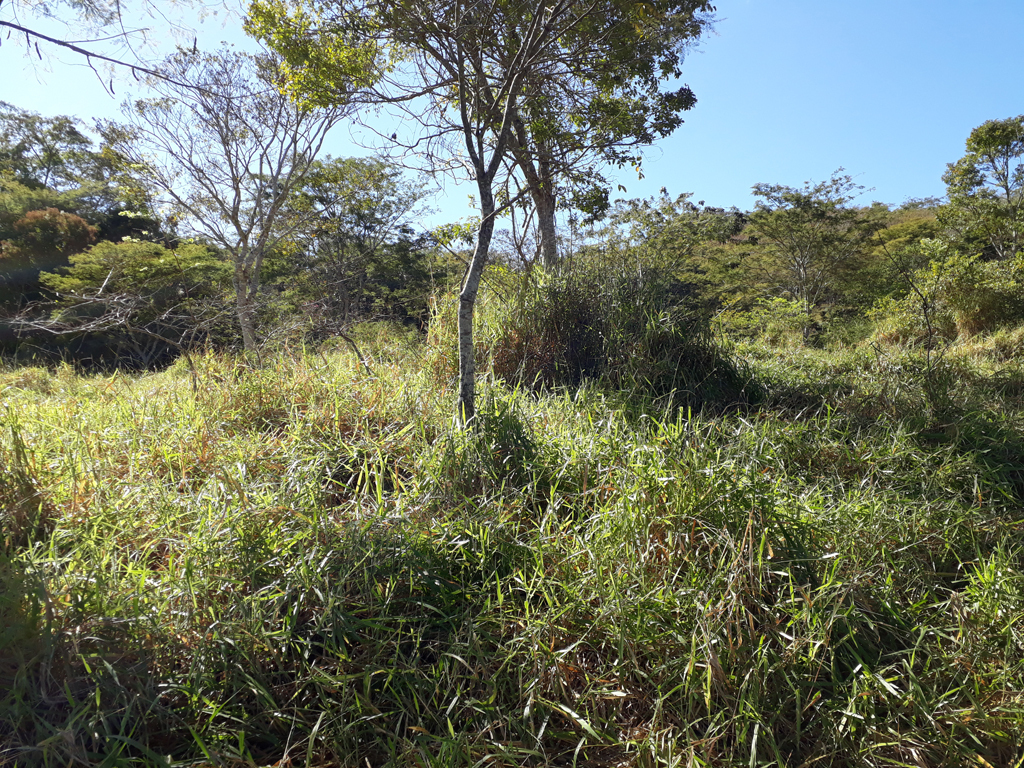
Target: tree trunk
(466, 404)
(245, 311)
(541, 184)
(544, 199)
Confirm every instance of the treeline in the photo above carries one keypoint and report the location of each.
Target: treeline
(97, 268)
(815, 265)
(99, 264)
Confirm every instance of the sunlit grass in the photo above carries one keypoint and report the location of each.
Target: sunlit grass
(304, 563)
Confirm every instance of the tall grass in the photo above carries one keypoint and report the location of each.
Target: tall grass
(304, 564)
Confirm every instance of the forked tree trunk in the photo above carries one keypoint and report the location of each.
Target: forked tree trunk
(538, 173)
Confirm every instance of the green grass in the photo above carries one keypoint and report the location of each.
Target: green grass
(304, 565)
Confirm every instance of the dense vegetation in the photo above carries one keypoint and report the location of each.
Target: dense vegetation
(742, 488)
(303, 562)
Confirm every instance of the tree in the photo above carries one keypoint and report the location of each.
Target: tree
(461, 73)
(38, 240)
(49, 152)
(664, 242)
(986, 190)
(360, 244)
(810, 236)
(51, 162)
(571, 122)
(224, 150)
(146, 299)
(48, 235)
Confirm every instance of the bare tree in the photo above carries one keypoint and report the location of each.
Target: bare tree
(224, 150)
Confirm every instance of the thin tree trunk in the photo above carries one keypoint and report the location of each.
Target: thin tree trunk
(466, 404)
(544, 199)
(245, 310)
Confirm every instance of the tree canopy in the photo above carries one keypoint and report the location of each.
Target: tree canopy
(986, 189)
(463, 73)
(812, 235)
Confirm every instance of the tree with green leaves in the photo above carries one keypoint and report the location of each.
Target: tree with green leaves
(52, 162)
(147, 300)
(809, 237)
(986, 190)
(225, 151)
(572, 122)
(663, 242)
(360, 256)
(45, 152)
(461, 74)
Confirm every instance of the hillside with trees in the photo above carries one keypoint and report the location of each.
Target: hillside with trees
(289, 478)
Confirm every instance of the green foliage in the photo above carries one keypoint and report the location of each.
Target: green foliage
(303, 563)
(986, 190)
(49, 162)
(17, 199)
(321, 62)
(953, 296)
(671, 238)
(142, 268)
(981, 295)
(779, 322)
(44, 152)
(159, 299)
(811, 238)
(359, 258)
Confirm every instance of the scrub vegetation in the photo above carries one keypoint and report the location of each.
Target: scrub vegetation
(301, 563)
(721, 488)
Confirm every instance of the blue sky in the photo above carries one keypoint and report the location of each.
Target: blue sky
(788, 91)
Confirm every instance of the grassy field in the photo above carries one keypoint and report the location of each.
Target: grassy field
(302, 564)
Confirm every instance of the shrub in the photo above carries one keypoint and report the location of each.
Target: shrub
(904, 321)
(958, 296)
(632, 333)
(778, 321)
(982, 295)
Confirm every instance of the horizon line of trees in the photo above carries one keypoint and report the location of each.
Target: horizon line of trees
(531, 100)
(91, 252)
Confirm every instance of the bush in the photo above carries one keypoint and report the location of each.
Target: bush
(632, 333)
(982, 295)
(904, 321)
(958, 296)
(779, 322)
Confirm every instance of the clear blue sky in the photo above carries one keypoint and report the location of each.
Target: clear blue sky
(788, 90)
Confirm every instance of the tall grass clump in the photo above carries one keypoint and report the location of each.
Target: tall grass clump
(632, 334)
